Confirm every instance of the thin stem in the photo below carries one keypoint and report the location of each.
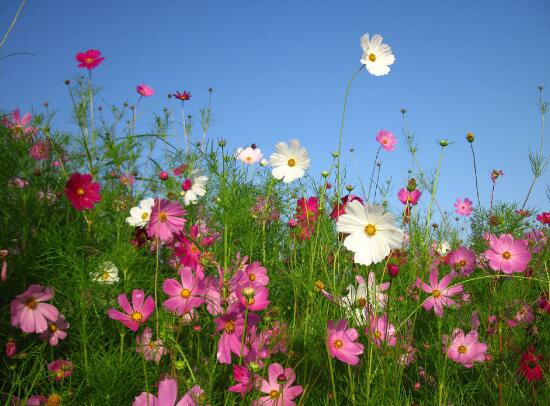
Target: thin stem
(373, 169)
(475, 174)
(156, 285)
(332, 377)
(376, 185)
(6, 35)
(185, 139)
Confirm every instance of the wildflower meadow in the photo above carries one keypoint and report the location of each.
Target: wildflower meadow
(147, 262)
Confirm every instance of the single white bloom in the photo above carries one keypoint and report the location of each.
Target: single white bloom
(264, 162)
(249, 155)
(377, 57)
(443, 248)
(139, 216)
(366, 298)
(372, 233)
(193, 187)
(289, 161)
(108, 273)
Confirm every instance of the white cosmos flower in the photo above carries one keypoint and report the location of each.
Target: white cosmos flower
(249, 155)
(443, 248)
(366, 298)
(139, 216)
(372, 233)
(108, 273)
(264, 162)
(289, 161)
(377, 57)
(193, 187)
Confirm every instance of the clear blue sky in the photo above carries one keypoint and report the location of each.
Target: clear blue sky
(279, 71)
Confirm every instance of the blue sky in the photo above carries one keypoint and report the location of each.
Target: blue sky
(279, 71)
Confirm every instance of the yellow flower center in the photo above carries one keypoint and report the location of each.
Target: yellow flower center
(462, 349)
(338, 344)
(105, 276)
(251, 301)
(144, 216)
(31, 303)
(378, 334)
(60, 374)
(163, 216)
(185, 293)
(53, 400)
(462, 263)
(229, 327)
(136, 316)
(52, 327)
(89, 60)
(319, 285)
(506, 255)
(436, 293)
(193, 248)
(291, 162)
(372, 57)
(274, 394)
(80, 191)
(252, 277)
(385, 141)
(370, 230)
(248, 159)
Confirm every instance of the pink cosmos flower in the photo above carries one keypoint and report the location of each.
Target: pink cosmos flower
(339, 209)
(61, 369)
(253, 296)
(40, 150)
(145, 90)
(56, 331)
(19, 125)
(166, 220)
(183, 96)
(381, 331)
(278, 387)
(141, 309)
(465, 349)
(386, 139)
(89, 59)
(249, 155)
(544, 217)
(245, 380)
(495, 174)
(152, 350)
(168, 394)
(407, 197)
(30, 313)
(507, 255)
(341, 342)
(82, 192)
(11, 348)
(231, 324)
(188, 254)
(127, 179)
(186, 295)
(536, 240)
(35, 400)
(463, 208)
(462, 260)
(256, 273)
(439, 291)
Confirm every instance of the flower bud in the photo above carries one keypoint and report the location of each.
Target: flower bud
(470, 137)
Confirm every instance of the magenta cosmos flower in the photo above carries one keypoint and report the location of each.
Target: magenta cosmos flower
(40, 150)
(544, 217)
(89, 59)
(254, 272)
(231, 324)
(462, 260)
(245, 380)
(407, 197)
(186, 295)
(278, 387)
(61, 369)
(56, 331)
(183, 96)
(145, 90)
(386, 139)
(439, 291)
(463, 208)
(141, 309)
(465, 349)
(152, 350)
(19, 124)
(253, 296)
(30, 313)
(339, 209)
(381, 331)
(508, 255)
(166, 220)
(168, 394)
(341, 342)
(82, 192)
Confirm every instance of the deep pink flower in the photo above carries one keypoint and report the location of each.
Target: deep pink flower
(152, 350)
(255, 273)
(462, 260)
(89, 59)
(56, 331)
(465, 349)
(393, 270)
(61, 369)
(381, 331)
(463, 208)
(163, 175)
(40, 150)
(439, 291)
(82, 192)
(495, 174)
(141, 309)
(386, 139)
(544, 217)
(183, 96)
(407, 197)
(508, 255)
(168, 394)
(30, 313)
(145, 90)
(341, 342)
(339, 209)
(166, 220)
(127, 179)
(278, 387)
(11, 348)
(186, 295)
(253, 296)
(245, 380)
(231, 324)
(188, 254)
(529, 365)
(544, 303)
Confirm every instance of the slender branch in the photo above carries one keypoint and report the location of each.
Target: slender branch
(6, 35)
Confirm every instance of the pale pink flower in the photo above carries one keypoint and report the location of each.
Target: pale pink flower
(19, 125)
(508, 255)
(168, 394)
(141, 309)
(40, 150)
(145, 90)
(536, 240)
(463, 208)
(254, 272)
(439, 291)
(465, 349)
(386, 139)
(381, 331)
(186, 295)
(278, 387)
(30, 313)
(341, 342)
(166, 220)
(249, 155)
(462, 260)
(56, 331)
(152, 350)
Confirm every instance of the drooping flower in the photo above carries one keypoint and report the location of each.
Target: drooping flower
(463, 208)
(145, 90)
(168, 394)
(136, 314)
(40, 150)
(152, 350)
(289, 162)
(529, 365)
(193, 187)
(186, 295)
(30, 313)
(89, 59)
(508, 255)
(440, 292)
(462, 260)
(166, 220)
(183, 96)
(372, 233)
(339, 209)
(61, 369)
(55, 331)
(140, 215)
(381, 331)
(278, 387)
(544, 217)
(249, 155)
(82, 192)
(407, 197)
(465, 349)
(341, 342)
(386, 139)
(377, 57)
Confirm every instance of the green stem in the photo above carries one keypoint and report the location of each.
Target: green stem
(332, 377)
